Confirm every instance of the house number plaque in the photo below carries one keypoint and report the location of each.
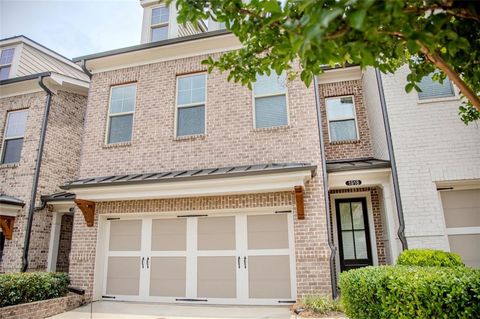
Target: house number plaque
(353, 182)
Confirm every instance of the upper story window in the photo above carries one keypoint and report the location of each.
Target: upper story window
(191, 96)
(120, 114)
(270, 98)
(6, 57)
(159, 24)
(13, 136)
(342, 124)
(434, 89)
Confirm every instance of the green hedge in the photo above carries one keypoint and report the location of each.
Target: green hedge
(408, 292)
(429, 257)
(32, 286)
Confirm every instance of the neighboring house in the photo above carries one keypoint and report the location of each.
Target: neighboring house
(33, 79)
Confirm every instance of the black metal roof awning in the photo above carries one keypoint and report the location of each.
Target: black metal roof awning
(356, 164)
(58, 197)
(187, 175)
(10, 200)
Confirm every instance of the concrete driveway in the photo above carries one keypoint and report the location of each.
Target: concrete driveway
(137, 310)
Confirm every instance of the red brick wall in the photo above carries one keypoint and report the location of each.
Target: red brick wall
(65, 243)
(42, 309)
(348, 149)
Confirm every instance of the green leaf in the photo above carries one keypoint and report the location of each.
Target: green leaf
(357, 18)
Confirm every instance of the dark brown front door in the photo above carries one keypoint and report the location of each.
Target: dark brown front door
(353, 233)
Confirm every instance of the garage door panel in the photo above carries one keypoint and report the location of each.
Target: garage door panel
(216, 233)
(123, 276)
(168, 276)
(125, 235)
(269, 277)
(216, 277)
(169, 234)
(267, 231)
(461, 208)
(467, 247)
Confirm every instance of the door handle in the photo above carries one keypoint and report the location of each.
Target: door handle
(245, 262)
(148, 258)
(142, 262)
(238, 262)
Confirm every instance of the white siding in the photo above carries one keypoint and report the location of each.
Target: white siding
(431, 145)
(374, 114)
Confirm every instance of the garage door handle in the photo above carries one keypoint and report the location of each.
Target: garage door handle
(245, 262)
(148, 258)
(238, 262)
(142, 262)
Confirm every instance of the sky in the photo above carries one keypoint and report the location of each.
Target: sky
(73, 27)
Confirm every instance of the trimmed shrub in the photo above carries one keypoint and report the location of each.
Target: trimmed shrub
(429, 258)
(321, 305)
(32, 286)
(406, 292)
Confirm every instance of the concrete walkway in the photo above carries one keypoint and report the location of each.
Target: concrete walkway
(137, 310)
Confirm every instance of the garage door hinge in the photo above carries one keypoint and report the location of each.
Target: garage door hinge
(184, 216)
(286, 301)
(108, 297)
(190, 299)
(113, 218)
(283, 211)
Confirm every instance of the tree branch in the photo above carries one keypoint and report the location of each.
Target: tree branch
(440, 63)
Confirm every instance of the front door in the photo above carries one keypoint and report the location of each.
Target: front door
(243, 259)
(353, 233)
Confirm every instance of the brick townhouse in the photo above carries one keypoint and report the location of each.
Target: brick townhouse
(42, 104)
(193, 189)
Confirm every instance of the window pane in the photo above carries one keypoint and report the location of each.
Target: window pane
(357, 214)
(160, 15)
(346, 219)
(6, 56)
(123, 99)
(340, 108)
(343, 131)
(267, 85)
(191, 89)
(433, 89)
(347, 241)
(120, 129)
(16, 124)
(271, 111)
(191, 120)
(160, 33)
(4, 72)
(361, 244)
(12, 151)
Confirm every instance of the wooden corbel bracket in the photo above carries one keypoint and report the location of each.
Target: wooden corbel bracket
(299, 192)
(88, 209)
(6, 224)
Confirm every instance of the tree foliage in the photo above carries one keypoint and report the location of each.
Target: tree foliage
(386, 34)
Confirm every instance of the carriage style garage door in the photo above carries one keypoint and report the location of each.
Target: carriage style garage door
(242, 259)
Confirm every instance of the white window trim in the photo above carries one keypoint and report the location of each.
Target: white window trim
(110, 115)
(11, 138)
(159, 25)
(342, 119)
(254, 107)
(177, 106)
(454, 97)
(12, 63)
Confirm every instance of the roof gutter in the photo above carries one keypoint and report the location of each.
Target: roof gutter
(36, 175)
(83, 65)
(331, 244)
(396, 186)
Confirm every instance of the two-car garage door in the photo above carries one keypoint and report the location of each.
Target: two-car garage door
(243, 259)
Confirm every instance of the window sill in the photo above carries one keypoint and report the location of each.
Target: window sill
(190, 137)
(9, 165)
(345, 142)
(439, 99)
(272, 129)
(115, 145)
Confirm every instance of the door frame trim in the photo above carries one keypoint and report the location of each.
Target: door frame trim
(99, 282)
(373, 240)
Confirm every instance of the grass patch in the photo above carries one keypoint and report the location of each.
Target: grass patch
(318, 306)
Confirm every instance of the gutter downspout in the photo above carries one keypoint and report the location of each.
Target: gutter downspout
(331, 244)
(36, 174)
(83, 65)
(396, 186)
